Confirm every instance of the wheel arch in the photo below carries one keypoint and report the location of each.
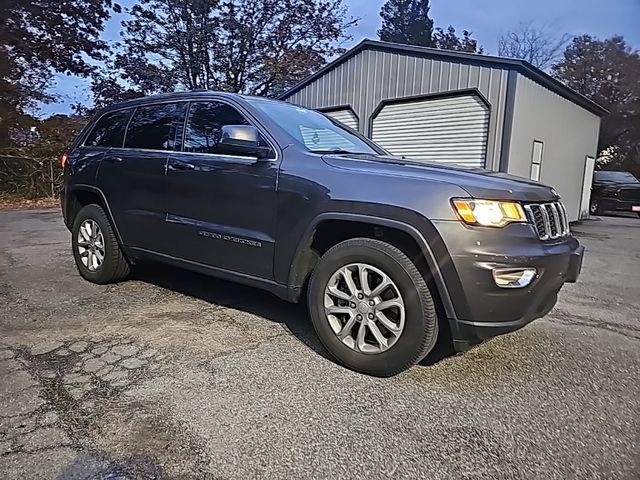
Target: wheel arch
(81, 195)
(307, 254)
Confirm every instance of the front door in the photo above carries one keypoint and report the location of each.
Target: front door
(221, 208)
(133, 178)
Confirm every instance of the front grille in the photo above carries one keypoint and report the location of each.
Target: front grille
(548, 219)
(629, 194)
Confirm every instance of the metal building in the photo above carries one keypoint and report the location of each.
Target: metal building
(467, 109)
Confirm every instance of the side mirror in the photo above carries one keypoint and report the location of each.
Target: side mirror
(242, 140)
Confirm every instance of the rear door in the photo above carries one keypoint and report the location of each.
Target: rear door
(133, 176)
(107, 132)
(221, 208)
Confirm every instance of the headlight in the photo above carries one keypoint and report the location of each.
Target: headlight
(488, 213)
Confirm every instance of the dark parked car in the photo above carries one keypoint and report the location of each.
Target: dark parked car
(611, 190)
(391, 254)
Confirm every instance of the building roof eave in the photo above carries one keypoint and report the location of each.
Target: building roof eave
(520, 66)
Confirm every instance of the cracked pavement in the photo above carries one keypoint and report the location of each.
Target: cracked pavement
(175, 375)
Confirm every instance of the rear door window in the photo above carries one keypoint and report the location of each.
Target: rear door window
(109, 130)
(155, 127)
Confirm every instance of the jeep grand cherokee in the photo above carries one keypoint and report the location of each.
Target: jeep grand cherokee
(390, 253)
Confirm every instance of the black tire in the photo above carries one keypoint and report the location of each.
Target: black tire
(595, 207)
(114, 266)
(421, 324)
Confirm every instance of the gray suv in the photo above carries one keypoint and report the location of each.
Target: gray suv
(391, 255)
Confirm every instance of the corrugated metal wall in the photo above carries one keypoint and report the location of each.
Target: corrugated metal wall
(371, 76)
(569, 135)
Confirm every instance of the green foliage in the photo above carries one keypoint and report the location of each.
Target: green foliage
(408, 22)
(258, 47)
(450, 41)
(607, 71)
(39, 37)
(31, 166)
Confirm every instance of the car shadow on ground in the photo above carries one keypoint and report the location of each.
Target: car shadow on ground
(233, 295)
(255, 301)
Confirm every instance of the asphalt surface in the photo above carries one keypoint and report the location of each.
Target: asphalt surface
(176, 375)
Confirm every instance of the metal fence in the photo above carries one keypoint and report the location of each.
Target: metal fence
(29, 177)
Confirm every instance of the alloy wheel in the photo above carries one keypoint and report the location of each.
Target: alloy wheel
(364, 308)
(91, 245)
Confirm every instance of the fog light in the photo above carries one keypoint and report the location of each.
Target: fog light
(513, 277)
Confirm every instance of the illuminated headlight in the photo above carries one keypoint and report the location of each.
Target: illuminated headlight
(513, 277)
(488, 213)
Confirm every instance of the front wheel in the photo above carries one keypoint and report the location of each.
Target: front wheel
(594, 207)
(371, 308)
(98, 256)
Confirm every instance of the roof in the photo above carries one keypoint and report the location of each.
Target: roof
(520, 66)
(170, 96)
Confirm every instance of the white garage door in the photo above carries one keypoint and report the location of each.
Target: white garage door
(345, 116)
(448, 130)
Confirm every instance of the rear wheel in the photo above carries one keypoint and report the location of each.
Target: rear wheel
(98, 256)
(595, 207)
(371, 307)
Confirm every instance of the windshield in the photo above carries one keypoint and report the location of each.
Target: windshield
(618, 177)
(312, 129)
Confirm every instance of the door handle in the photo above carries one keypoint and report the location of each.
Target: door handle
(181, 166)
(112, 159)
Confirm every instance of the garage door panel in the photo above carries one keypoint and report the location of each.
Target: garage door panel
(448, 130)
(345, 116)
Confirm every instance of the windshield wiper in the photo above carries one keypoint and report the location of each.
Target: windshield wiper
(341, 151)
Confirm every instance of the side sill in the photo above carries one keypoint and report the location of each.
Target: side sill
(282, 291)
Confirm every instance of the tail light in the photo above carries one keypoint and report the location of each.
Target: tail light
(63, 160)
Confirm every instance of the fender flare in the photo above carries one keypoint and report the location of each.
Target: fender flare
(90, 188)
(426, 249)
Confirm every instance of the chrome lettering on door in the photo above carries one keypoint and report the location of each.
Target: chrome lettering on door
(229, 238)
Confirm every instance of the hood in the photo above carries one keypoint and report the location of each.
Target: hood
(477, 182)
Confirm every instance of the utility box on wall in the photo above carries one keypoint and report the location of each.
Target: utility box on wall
(461, 108)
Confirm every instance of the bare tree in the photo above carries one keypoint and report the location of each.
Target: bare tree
(538, 45)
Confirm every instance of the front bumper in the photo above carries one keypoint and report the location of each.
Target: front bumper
(484, 310)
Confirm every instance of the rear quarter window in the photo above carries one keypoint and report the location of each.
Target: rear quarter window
(109, 130)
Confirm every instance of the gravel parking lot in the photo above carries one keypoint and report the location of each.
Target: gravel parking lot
(176, 375)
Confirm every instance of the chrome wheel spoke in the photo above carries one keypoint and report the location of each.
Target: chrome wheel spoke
(336, 292)
(385, 304)
(360, 340)
(384, 284)
(382, 341)
(348, 279)
(364, 279)
(346, 329)
(99, 256)
(84, 234)
(333, 310)
(388, 324)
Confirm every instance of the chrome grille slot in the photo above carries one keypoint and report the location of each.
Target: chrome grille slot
(548, 219)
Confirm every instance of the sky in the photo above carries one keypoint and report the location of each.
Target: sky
(485, 18)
